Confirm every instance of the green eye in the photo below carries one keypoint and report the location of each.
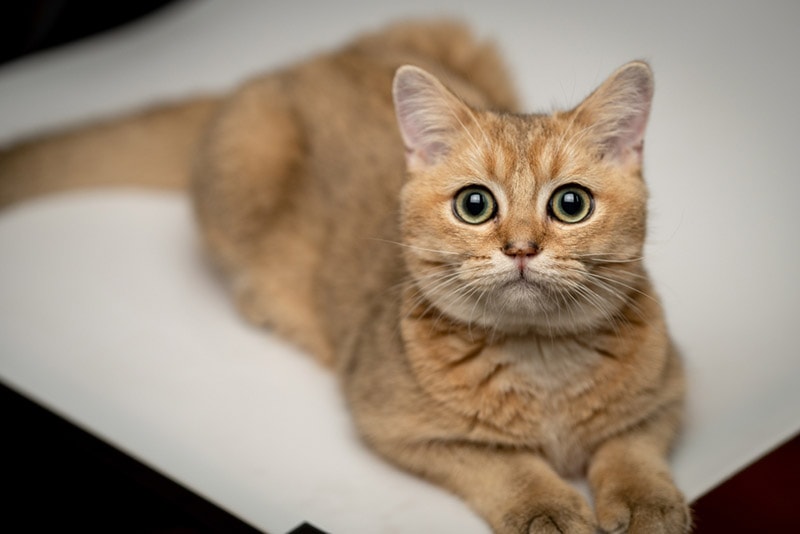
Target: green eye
(571, 204)
(474, 205)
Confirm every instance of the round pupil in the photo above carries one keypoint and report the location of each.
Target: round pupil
(475, 204)
(571, 203)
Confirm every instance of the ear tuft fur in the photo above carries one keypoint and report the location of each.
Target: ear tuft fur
(618, 111)
(428, 114)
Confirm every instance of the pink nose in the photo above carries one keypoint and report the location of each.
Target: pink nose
(520, 249)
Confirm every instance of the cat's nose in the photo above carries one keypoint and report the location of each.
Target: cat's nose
(518, 249)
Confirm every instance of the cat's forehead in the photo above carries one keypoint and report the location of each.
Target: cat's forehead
(528, 151)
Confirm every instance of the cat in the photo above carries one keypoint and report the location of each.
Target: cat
(473, 274)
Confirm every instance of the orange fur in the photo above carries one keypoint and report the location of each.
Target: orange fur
(492, 358)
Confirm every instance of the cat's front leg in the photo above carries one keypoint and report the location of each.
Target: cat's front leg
(633, 490)
(515, 491)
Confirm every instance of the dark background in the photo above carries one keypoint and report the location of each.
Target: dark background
(27, 26)
(57, 477)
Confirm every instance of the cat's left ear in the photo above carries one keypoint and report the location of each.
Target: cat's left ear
(430, 117)
(617, 113)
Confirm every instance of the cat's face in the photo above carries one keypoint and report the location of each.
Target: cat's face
(525, 222)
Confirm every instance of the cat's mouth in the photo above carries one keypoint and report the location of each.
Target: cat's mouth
(524, 278)
(521, 272)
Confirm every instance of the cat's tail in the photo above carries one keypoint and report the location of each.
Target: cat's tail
(151, 148)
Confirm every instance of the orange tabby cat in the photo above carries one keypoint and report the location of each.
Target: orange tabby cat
(474, 276)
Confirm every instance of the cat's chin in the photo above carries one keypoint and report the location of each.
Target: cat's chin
(522, 305)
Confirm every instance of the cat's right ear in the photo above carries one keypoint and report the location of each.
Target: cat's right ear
(429, 115)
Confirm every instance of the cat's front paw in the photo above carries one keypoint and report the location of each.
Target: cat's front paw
(561, 522)
(567, 514)
(657, 508)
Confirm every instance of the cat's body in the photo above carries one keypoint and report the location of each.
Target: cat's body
(474, 277)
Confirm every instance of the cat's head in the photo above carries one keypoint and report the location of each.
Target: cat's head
(519, 222)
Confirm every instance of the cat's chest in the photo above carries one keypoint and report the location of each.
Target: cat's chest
(525, 391)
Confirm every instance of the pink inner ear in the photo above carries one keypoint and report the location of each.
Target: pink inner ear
(619, 110)
(630, 140)
(424, 114)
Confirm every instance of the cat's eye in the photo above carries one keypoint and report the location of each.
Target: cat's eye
(474, 205)
(571, 204)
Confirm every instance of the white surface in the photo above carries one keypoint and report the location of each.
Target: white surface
(108, 315)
